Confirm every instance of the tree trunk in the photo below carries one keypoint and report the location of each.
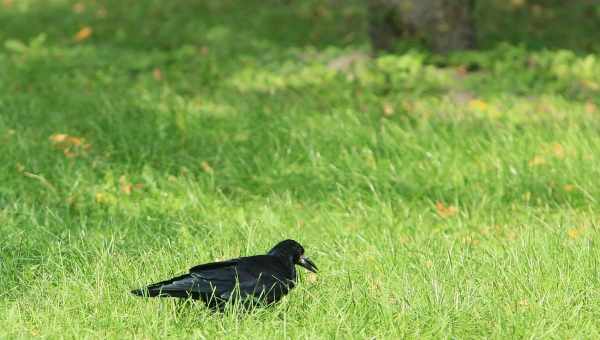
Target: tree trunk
(443, 25)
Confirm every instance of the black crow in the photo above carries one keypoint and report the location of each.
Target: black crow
(254, 280)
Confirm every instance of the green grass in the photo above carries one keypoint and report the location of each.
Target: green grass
(437, 202)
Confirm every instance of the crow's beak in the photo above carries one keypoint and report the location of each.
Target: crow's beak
(307, 263)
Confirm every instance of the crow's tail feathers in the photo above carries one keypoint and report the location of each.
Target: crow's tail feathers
(181, 286)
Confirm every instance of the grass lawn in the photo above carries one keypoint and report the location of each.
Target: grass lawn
(451, 196)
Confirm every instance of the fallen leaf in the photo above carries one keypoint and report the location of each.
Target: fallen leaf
(590, 107)
(388, 109)
(125, 185)
(206, 167)
(75, 141)
(7, 3)
(78, 7)
(573, 233)
(523, 303)
(83, 34)
(558, 150)
(58, 138)
(311, 278)
(478, 104)
(68, 153)
(537, 160)
(105, 198)
(70, 145)
(157, 74)
(568, 187)
(445, 211)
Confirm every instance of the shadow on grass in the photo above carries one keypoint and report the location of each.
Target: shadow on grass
(256, 151)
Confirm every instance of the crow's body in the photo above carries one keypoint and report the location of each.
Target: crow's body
(260, 279)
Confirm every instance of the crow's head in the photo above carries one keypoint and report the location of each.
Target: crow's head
(292, 250)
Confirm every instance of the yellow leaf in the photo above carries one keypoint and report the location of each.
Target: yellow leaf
(558, 150)
(105, 198)
(388, 109)
(569, 187)
(537, 160)
(58, 138)
(206, 167)
(311, 278)
(478, 104)
(575, 233)
(83, 34)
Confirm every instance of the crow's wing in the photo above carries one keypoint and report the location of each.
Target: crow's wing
(259, 276)
(194, 283)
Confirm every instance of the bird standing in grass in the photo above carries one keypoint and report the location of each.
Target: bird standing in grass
(254, 280)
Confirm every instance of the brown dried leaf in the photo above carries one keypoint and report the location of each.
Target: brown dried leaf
(68, 153)
(157, 74)
(445, 211)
